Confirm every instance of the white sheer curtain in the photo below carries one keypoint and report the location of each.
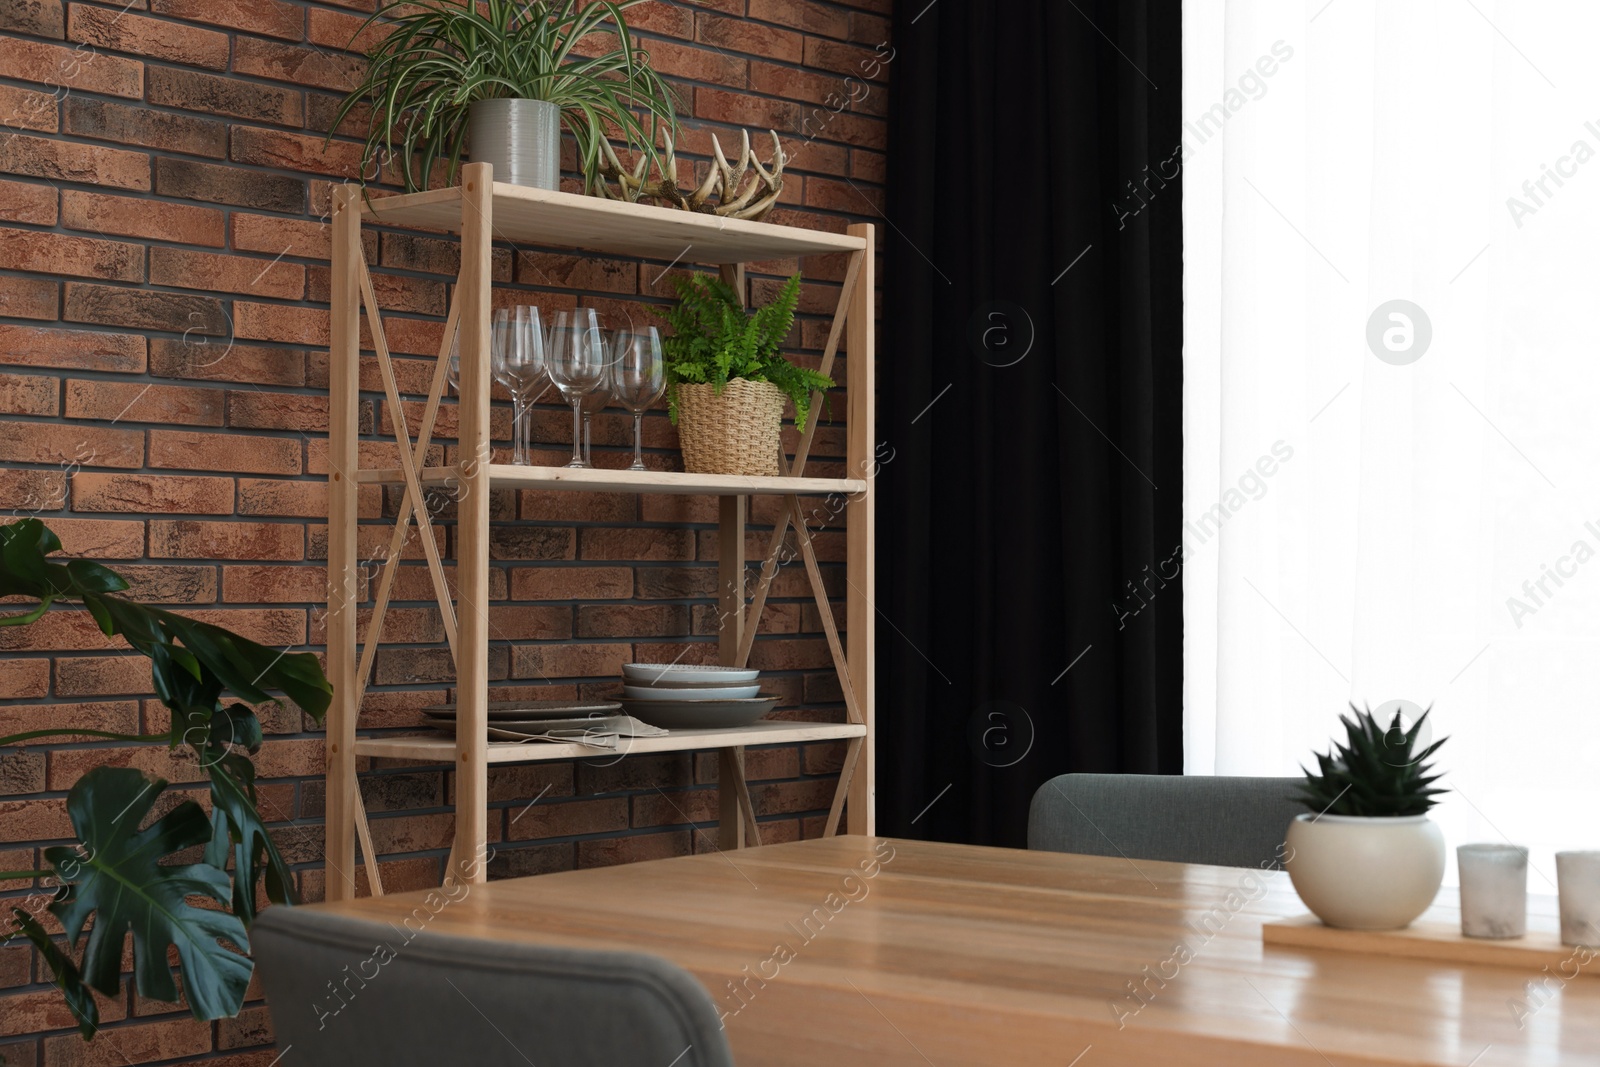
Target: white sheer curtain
(1432, 535)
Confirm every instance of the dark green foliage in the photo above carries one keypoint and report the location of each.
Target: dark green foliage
(442, 55)
(715, 340)
(1376, 773)
(115, 875)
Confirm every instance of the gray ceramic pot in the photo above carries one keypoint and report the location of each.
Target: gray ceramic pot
(522, 138)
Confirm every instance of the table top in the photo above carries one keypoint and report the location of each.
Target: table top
(854, 950)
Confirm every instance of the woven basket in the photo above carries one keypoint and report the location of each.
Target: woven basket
(738, 431)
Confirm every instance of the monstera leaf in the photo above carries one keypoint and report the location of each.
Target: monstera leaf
(118, 879)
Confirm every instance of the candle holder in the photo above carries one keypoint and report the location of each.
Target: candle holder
(1578, 880)
(1494, 890)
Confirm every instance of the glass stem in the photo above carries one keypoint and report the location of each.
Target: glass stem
(638, 454)
(588, 447)
(519, 409)
(577, 433)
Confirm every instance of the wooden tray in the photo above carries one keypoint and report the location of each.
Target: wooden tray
(1438, 941)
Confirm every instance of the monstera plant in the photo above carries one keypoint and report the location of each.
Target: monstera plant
(123, 877)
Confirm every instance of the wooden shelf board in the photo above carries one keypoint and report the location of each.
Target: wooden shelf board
(552, 219)
(438, 747)
(507, 476)
(1430, 940)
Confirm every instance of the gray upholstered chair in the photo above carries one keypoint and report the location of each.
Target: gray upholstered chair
(1229, 822)
(345, 992)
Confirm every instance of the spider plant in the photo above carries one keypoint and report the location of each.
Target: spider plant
(439, 56)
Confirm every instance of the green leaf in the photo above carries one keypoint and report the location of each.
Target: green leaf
(120, 881)
(254, 852)
(63, 972)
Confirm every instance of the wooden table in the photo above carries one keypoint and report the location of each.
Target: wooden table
(855, 950)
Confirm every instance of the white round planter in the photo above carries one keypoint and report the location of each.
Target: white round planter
(1365, 874)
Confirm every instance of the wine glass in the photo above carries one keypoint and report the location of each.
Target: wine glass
(597, 400)
(639, 377)
(519, 358)
(577, 365)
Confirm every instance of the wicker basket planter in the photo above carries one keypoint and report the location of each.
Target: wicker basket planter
(738, 431)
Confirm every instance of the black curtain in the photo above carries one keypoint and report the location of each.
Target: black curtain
(1030, 397)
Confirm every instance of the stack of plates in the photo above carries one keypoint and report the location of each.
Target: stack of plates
(510, 720)
(686, 697)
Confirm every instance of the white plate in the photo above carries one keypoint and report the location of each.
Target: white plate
(650, 673)
(645, 692)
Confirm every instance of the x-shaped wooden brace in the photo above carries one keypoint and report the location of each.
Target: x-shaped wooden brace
(769, 570)
(412, 458)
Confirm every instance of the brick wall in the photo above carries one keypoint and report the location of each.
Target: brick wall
(164, 188)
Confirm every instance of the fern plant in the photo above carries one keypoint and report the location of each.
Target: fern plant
(715, 340)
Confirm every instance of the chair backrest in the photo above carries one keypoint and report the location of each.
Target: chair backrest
(1229, 822)
(345, 992)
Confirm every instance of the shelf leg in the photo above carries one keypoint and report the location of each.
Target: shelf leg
(344, 370)
(470, 854)
(730, 613)
(860, 516)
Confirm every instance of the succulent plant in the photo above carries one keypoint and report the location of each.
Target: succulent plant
(1377, 773)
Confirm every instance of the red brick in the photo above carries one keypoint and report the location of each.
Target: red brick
(698, 64)
(51, 253)
(28, 109)
(24, 677)
(847, 59)
(289, 237)
(167, 584)
(27, 202)
(638, 620)
(570, 818)
(266, 584)
(184, 269)
(292, 63)
(270, 18)
(71, 68)
(88, 446)
(29, 395)
(621, 544)
(607, 851)
(181, 494)
(127, 216)
(395, 292)
(120, 31)
(100, 538)
(256, 410)
(144, 309)
(186, 179)
(191, 90)
(570, 661)
(33, 346)
(186, 539)
(571, 583)
(43, 18)
(71, 162)
(37, 1011)
(119, 717)
(302, 500)
(803, 15)
(750, 38)
(697, 806)
(136, 1043)
(132, 402)
(295, 151)
(180, 450)
(276, 322)
(348, 33)
(107, 121)
(226, 361)
(29, 298)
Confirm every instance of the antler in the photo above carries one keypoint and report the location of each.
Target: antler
(734, 197)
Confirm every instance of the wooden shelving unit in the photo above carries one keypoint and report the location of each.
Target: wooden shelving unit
(483, 211)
